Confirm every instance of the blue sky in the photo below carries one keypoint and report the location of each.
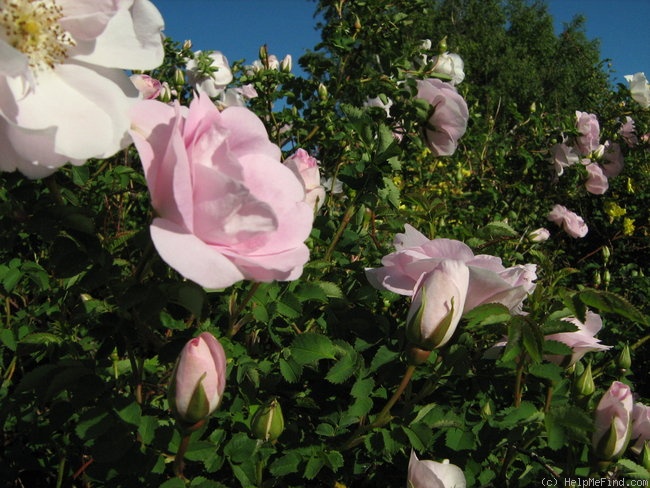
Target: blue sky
(238, 28)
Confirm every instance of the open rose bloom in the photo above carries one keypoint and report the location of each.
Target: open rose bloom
(448, 122)
(581, 341)
(570, 222)
(227, 209)
(489, 281)
(64, 93)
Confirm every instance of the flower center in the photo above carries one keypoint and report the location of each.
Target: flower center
(32, 27)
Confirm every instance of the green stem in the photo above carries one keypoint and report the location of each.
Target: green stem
(179, 462)
(383, 417)
(60, 471)
(233, 326)
(519, 383)
(339, 232)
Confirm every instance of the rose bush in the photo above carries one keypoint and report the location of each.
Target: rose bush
(226, 208)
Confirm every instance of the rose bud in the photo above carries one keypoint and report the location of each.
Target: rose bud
(613, 422)
(198, 380)
(268, 422)
(437, 305)
(426, 474)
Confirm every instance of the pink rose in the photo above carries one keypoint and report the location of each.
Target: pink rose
(639, 88)
(589, 129)
(628, 132)
(568, 220)
(563, 156)
(449, 65)
(226, 208)
(613, 422)
(431, 474)
(437, 305)
(596, 180)
(147, 86)
(614, 160)
(640, 427)
(198, 380)
(489, 280)
(580, 341)
(448, 122)
(305, 167)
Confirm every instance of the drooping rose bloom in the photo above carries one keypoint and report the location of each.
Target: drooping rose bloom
(305, 167)
(580, 341)
(198, 380)
(563, 156)
(437, 305)
(148, 87)
(211, 84)
(589, 129)
(489, 281)
(613, 421)
(640, 426)
(65, 95)
(227, 209)
(613, 157)
(571, 222)
(448, 122)
(431, 474)
(639, 89)
(597, 182)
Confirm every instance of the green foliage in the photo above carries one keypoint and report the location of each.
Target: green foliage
(93, 320)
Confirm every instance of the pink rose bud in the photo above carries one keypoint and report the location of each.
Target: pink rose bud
(198, 380)
(147, 86)
(431, 474)
(589, 129)
(539, 235)
(437, 305)
(613, 421)
(305, 167)
(285, 64)
(448, 122)
(580, 341)
(568, 220)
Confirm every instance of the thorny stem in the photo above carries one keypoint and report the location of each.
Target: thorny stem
(519, 383)
(384, 416)
(234, 325)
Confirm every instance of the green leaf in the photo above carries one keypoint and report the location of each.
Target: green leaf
(41, 338)
(311, 347)
(547, 371)
(290, 370)
(286, 464)
(634, 470)
(460, 440)
(487, 314)
(343, 368)
(605, 301)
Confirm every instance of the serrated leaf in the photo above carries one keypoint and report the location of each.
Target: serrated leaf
(487, 314)
(290, 370)
(460, 440)
(634, 470)
(547, 371)
(311, 347)
(41, 338)
(605, 301)
(498, 229)
(382, 356)
(343, 368)
(286, 464)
